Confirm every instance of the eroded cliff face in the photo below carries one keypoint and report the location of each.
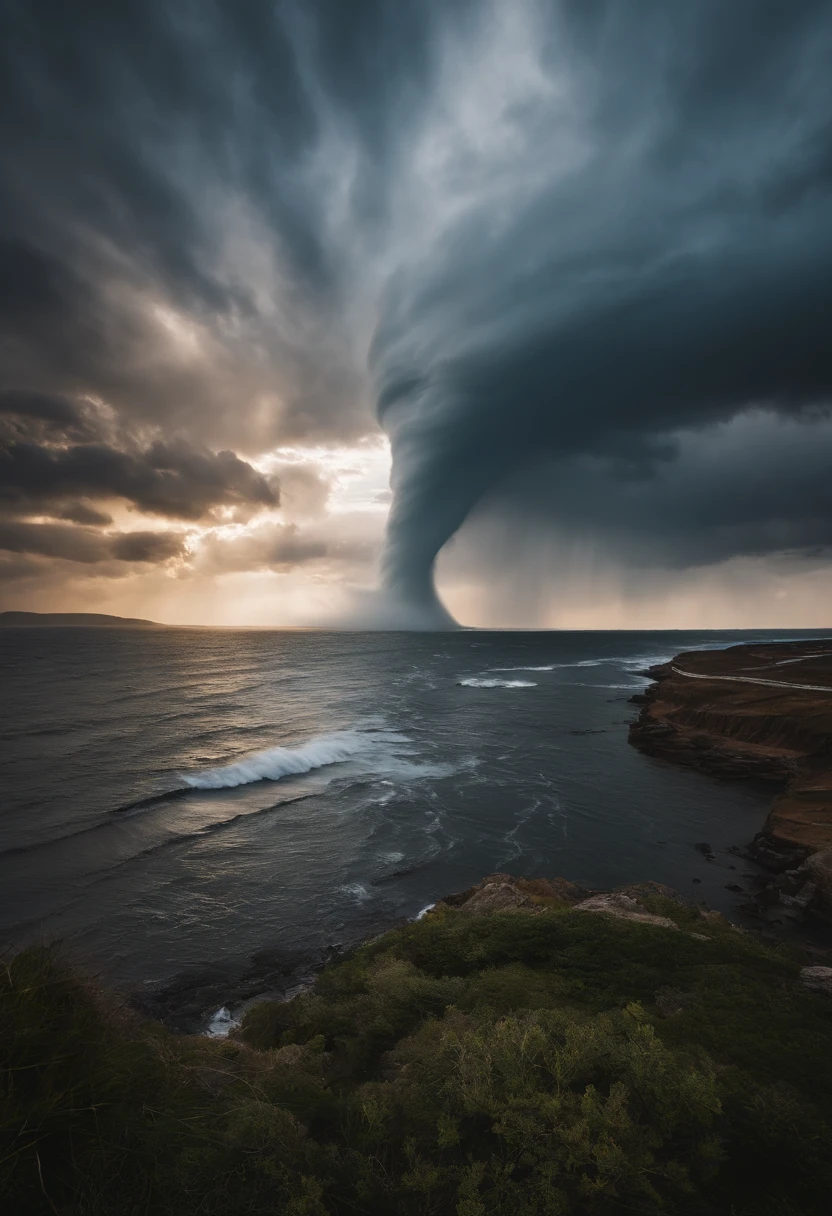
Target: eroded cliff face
(763, 711)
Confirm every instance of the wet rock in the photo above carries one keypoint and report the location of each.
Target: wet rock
(186, 1002)
(801, 900)
(775, 854)
(817, 979)
(819, 869)
(801, 890)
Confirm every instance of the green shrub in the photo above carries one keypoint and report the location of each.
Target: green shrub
(101, 1113)
(518, 1064)
(545, 1111)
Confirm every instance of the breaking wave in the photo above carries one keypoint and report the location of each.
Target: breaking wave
(221, 1024)
(547, 667)
(638, 661)
(478, 682)
(557, 666)
(279, 762)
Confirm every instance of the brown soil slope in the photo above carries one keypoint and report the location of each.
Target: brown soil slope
(740, 712)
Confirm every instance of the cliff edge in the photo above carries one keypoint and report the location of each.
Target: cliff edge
(762, 710)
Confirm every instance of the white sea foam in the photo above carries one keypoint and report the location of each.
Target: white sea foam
(427, 908)
(626, 687)
(478, 682)
(280, 762)
(557, 666)
(546, 667)
(586, 663)
(644, 660)
(358, 892)
(221, 1023)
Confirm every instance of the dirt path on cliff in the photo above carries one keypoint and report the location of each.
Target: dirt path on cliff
(696, 675)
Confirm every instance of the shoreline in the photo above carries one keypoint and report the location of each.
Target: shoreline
(760, 711)
(682, 720)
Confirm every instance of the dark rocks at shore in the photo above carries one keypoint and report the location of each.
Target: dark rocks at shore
(185, 1003)
(774, 854)
(801, 889)
(707, 754)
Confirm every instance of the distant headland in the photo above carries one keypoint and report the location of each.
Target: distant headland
(73, 620)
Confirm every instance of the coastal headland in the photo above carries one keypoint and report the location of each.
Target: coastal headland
(760, 710)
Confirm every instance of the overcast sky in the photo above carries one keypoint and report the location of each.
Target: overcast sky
(557, 271)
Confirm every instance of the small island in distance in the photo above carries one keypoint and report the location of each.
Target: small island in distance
(73, 620)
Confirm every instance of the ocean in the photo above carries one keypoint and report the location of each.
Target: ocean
(185, 798)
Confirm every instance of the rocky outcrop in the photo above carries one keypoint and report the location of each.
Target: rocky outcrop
(616, 903)
(497, 892)
(504, 892)
(804, 888)
(762, 711)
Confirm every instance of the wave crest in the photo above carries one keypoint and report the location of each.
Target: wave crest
(477, 682)
(279, 762)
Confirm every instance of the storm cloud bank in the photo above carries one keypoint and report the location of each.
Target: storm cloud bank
(576, 257)
(661, 264)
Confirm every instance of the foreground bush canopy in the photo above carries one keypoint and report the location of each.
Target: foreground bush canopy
(524, 1062)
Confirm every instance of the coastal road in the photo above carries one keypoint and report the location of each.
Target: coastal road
(696, 675)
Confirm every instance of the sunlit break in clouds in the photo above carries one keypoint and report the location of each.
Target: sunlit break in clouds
(304, 300)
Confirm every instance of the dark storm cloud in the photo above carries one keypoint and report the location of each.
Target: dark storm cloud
(675, 274)
(44, 416)
(759, 485)
(170, 479)
(81, 513)
(41, 467)
(87, 545)
(573, 233)
(176, 154)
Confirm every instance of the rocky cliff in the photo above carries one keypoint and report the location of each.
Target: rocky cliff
(763, 711)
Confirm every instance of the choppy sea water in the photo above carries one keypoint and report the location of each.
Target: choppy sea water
(177, 798)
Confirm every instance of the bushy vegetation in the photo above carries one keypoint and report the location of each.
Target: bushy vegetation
(524, 1062)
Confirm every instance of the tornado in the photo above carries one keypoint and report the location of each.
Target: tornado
(626, 266)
